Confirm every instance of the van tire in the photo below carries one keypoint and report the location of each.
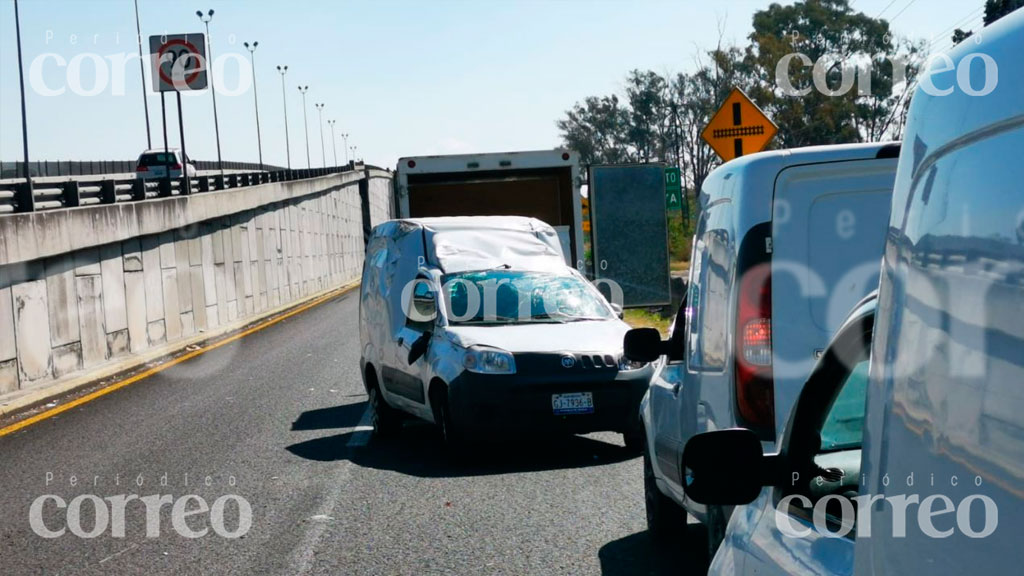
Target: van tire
(634, 441)
(385, 419)
(666, 521)
(455, 441)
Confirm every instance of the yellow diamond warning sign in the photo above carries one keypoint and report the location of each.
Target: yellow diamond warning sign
(739, 127)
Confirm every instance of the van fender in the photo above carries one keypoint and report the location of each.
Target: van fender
(444, 360)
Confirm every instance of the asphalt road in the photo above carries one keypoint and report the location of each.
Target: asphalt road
(274, 419)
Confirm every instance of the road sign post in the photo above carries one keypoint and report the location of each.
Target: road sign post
(178, 64)
(739, 127)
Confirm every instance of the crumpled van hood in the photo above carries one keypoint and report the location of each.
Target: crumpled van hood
(603, 336)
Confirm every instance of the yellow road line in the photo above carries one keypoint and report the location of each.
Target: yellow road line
(165, 365)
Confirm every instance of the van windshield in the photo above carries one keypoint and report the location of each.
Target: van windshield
(507, 296)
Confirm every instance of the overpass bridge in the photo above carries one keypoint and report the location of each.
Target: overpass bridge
(96, 273)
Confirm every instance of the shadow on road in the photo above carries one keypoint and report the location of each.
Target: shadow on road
(345, 416)
(637, 554)
(417, 451)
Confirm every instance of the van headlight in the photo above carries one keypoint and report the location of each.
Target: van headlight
(484, 360)
(625, 364)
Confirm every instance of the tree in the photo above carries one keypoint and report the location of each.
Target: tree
(698, 97)
(596, 130)
(648, 110)
(864, 74)
(994, 10)
(961, 35)
(866, 77)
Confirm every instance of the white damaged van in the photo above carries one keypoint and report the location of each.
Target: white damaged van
(478, 325)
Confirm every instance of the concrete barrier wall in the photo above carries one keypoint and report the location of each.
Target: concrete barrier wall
(176, 267)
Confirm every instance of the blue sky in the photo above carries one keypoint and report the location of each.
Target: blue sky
(401, 77)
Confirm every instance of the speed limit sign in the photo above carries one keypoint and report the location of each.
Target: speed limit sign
(178, 62)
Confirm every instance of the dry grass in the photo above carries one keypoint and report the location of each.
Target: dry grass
(643, 318)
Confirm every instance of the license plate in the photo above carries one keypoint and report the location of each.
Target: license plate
(574, 403)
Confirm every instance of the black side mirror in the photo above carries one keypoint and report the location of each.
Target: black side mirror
(726, 467)
(418, 348)
(644, 345)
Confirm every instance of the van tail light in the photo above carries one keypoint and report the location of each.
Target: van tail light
(755, 385)
(141, 168)
(176, 167)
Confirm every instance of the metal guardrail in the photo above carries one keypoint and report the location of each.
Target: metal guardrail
(15, 196)
(50, 168)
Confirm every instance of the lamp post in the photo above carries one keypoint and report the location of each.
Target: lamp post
(323, 151)
(29, 200)
(305, 122)
(334, 142)
(213, 89)
(255, 98)
(284, 98)
(344, 138)
(142, 74)
(354, 158)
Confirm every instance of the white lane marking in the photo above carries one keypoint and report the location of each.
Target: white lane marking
(362, 432)
(116, 554)
(303, 556)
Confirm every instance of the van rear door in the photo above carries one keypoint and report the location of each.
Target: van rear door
(828, 229)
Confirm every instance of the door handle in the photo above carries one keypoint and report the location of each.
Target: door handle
(676, 387)
(401, 340)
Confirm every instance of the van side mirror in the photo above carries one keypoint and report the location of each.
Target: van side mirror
(423, 307)
(644, 345)
(726, 467)
(617, 308)
(418, 348)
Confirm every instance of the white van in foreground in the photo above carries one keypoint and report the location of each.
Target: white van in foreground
(786, 243)
(912, 461)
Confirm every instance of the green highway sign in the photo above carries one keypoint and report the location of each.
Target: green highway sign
(673, 189)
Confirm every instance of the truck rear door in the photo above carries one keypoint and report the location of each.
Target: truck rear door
(828, 229)
(630, 231)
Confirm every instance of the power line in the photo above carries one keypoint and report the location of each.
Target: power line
(909, 4)
(886, 8)
(947, 37)
(960, 23)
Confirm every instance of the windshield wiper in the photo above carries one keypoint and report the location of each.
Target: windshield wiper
(496, 319)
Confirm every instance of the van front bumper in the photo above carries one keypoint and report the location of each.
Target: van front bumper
(522, 402)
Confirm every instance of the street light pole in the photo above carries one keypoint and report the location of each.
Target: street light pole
(142, 75)
(305, 122)
(284, 98)
(323, 151)
(24, 115)
(344, 138)
(213, 89)
(255, 98)
(354, 158)
(334, 142)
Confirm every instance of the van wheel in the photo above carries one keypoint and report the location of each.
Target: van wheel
(385, 419)
(452, 436)
(634, 441)
(666, 521)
